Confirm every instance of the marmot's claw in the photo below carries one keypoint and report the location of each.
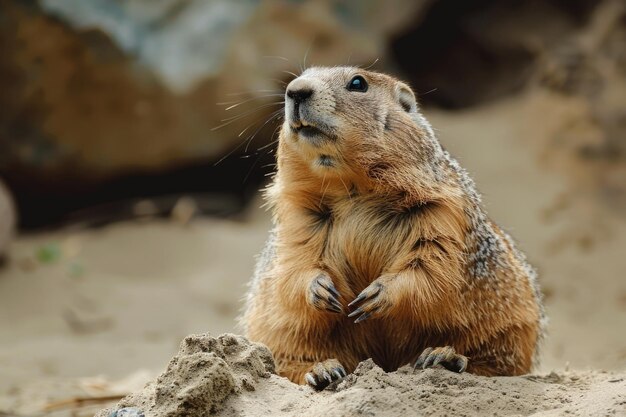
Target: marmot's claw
(360, 298)
(339, 373)
(325, 373)
(364, 316)
(372, 301)
(327, 376)
(328, 285)
(356, 312)
(310, 379)
(444, 356)
(324, 295)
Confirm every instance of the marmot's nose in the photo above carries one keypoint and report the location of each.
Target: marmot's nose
(299, 95)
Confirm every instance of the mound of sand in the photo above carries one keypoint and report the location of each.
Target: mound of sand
(201, 377)
(230, 376)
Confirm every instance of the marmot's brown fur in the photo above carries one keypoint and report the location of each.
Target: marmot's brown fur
(381, 248)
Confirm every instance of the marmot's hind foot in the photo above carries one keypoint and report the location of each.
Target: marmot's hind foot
(444, 356)
(325, 373)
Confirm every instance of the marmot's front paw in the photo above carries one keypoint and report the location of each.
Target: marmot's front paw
(325, 373)
(373, 300)
(323, 295)
(444, 356)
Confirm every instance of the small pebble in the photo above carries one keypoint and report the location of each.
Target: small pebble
(8, 219)
(145, 208)
(184, 210)
(127, 412)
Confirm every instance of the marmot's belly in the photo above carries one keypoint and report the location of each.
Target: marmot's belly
(389, 343)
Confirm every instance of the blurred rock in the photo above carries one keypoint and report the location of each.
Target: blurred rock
(185, 42)
(184, 210)
(96, 89)
(182, 42)
(7, 219)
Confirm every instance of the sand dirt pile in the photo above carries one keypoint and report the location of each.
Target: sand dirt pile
(231, 376)
(204, 373)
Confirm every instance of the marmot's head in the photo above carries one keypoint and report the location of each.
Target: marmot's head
(356, 124)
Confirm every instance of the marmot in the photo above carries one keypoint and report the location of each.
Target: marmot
(381, 248)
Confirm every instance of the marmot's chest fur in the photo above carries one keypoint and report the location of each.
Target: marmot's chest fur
(356, 233)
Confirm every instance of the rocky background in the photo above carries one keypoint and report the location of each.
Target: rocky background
(110, 100)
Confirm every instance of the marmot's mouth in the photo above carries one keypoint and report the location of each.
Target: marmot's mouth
(315, 134)
(308, 131)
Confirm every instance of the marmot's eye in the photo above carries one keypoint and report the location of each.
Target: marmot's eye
(357, 83)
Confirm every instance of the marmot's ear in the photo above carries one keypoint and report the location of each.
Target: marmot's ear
(406, 98)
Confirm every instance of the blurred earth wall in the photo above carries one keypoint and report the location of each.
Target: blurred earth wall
(109, 99)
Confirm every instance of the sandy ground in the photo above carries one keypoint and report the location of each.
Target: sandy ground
(241, 383)
(110, 302)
